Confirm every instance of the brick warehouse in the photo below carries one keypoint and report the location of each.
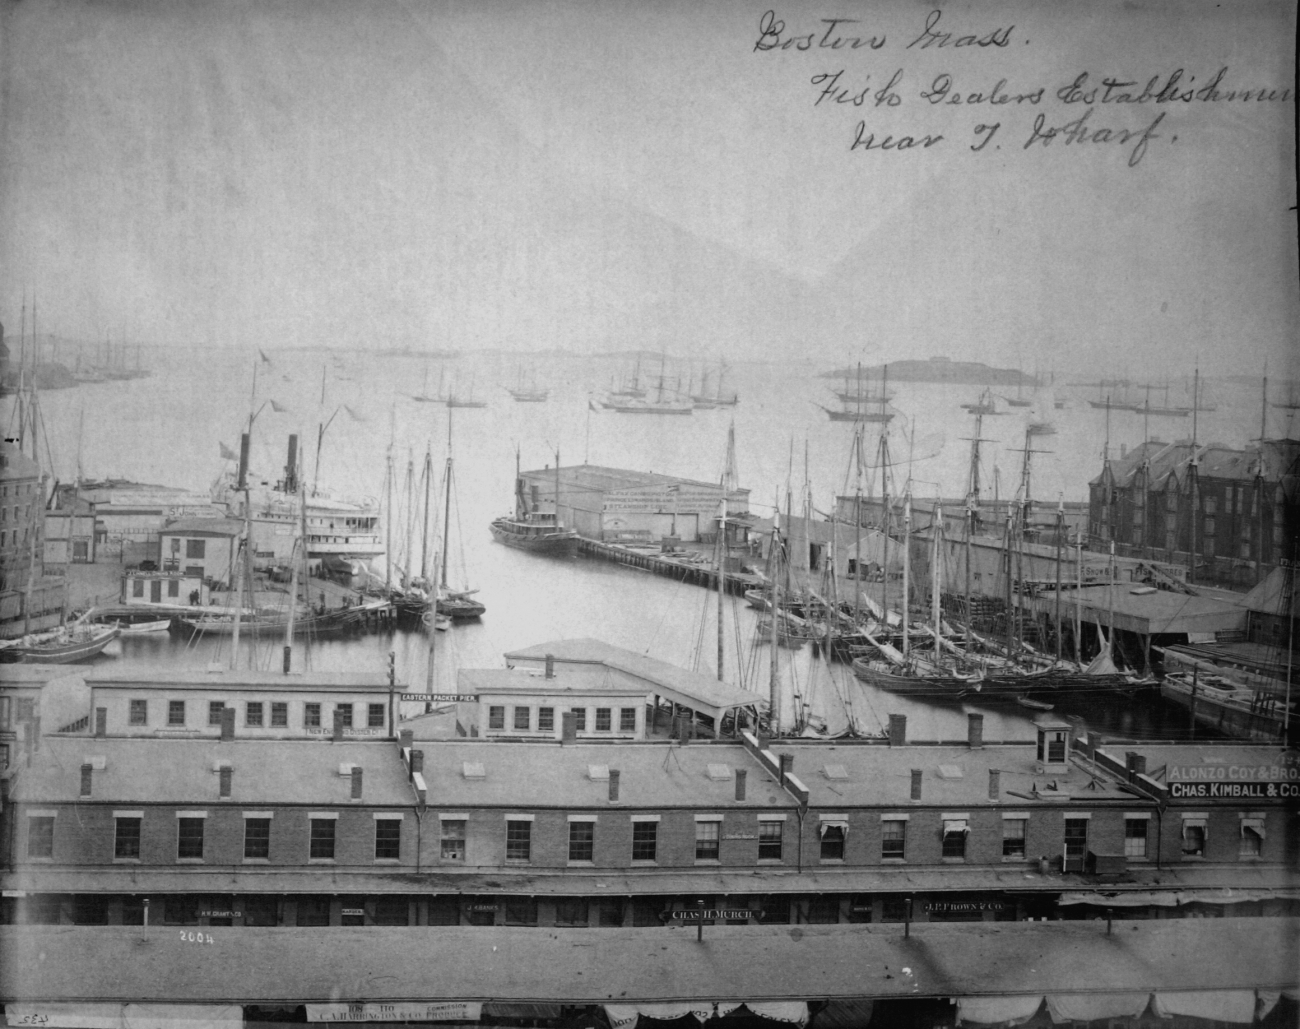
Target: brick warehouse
(473, 832)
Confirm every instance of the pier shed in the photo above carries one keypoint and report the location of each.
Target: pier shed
(518, 703)
(616, 504)
(706, 701)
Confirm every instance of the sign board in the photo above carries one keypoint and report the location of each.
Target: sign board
(402, 1011)
(1276, 780)
(358, 912)
(959, 906)
(443, 698)
(320, 730)
(740, 836)
(710, 914)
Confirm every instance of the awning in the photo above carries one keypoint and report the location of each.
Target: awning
(1220, 1005)
(839, 823)
(848, 1014)
(997, 1010)
(1088, 1007)
(626, 1016)
(795, 1011)
(956, 825)
(57, 1014)
(1173, 898)
(401, 1011)
(71, 1015)
(1194, 820)
(1255, 825)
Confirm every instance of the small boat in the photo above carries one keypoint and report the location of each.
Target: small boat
(858, 414)
(335, 618)
(144, 628)
(985, 405)
(530, 396)
(59, 646)
(536, 532)
(459, 606)
(1030, 702)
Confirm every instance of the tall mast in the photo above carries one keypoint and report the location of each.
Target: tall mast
(1110, 602)
(408, 549)
(557, 487)
(728, 477)
(446, 514)
(1060, 529)
(1193, 471)
(774, 681)
(935, 618)
(293, 574)
(388, 521)
(427, 474)
(1078, 597)
(907, 562)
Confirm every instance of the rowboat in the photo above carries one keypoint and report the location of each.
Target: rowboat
(59, 646)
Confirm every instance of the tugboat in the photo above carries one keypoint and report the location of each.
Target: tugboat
(539, 532)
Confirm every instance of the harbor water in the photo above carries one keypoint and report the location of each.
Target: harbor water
(168, 429)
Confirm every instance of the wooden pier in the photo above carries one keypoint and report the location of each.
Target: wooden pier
(697, 574)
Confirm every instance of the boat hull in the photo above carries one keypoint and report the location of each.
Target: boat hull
(1225, 714)
(553, 544)
(928, 686)
(59, 653)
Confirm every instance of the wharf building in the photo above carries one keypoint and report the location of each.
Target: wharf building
(544, 880)
(614, 505)
(129, 516)
(1228, 515)
(30, 599)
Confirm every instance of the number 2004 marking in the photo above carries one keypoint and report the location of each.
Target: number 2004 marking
(196, 937)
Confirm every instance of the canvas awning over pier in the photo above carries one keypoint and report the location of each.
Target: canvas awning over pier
(696, 691)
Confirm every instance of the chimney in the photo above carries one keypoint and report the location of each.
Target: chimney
(242, 481)
(87, 775)
(613, 785)
(550, 666)
(995, 784)
(227, 774)
(417, 762)
(975, 731)
(356, 782)
(338, 725)
(407, 737)
(787, 766)
(227, 723)
(916, 784)
(101, 721)
(741, 776)
(897, 730)
(568, 728)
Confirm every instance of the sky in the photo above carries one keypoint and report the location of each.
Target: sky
(667, 176)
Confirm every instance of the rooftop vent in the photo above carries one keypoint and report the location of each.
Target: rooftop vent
(96, 761)
(473, 770)
(719, 773)
(217, 766)
(598, 773)
(951, 772)
(835, 772)
(346, 768)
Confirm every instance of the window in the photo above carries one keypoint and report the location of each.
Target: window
(194, 571)
(776, 910)
(137, 587)
(523, 718)
(444, 911)
(955, 831)
(181, 909)
(546, 719)
(189, 838)
(1252, 837)
(40, 836)
(521, 911)
(603, 719)
(644, 837)
(580, 719)
(769, 840)
(257, 839)
(1076, 838)
(627, 719)
(832, 848)
(1135, 837)
(1193, 837)
(611, 912)
(344, 711)
(279, 714)
(519, 840)
(352, 910)
(375, 716)
(860, 907)
(895, 908)
(571, 911)
(706, 841)
(893, 839)
(4, 713)
(392, 911)
(126, 839)
(175, 712)
(322, 839)
(89, 909)
(497, 716)
(1013, 837)
(453, 839)
(253, 713)
(582, 841)
(215, 707)
(195, 548)
(388, 839)
(139, 712)
(173, 587)
(311, 716)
